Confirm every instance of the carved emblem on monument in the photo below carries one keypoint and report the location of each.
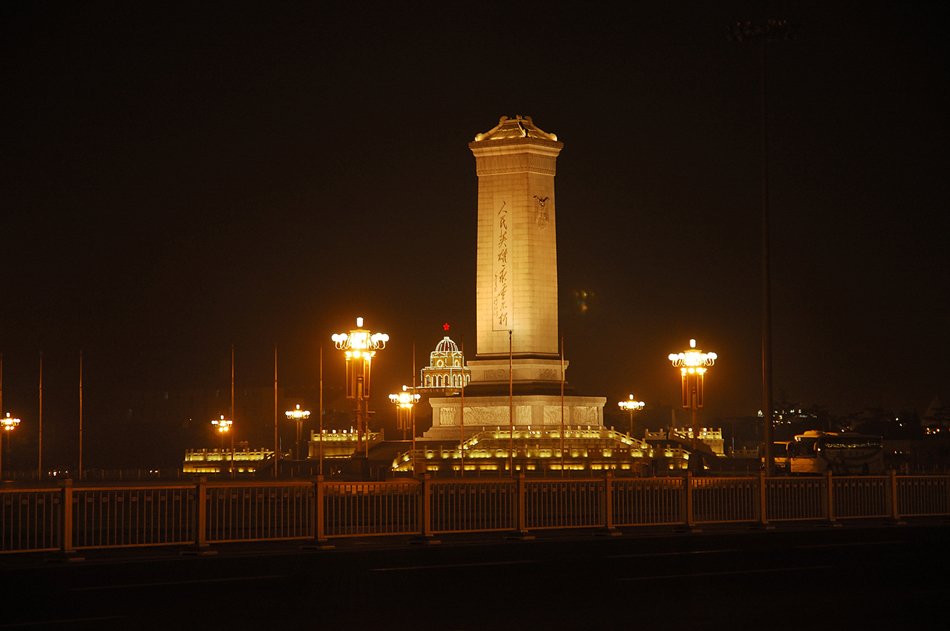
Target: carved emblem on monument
(541, 213)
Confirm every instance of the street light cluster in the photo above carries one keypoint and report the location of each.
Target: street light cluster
(693, 359)
(360, 341)
(7, 423)
(360, 346)
(405, 399)
(631, 405)
(299, 416)
(693, 364)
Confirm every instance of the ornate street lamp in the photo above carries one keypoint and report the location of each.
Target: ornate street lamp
(224, 427)
(631, 406)
(360, 347)
(693, 364)
(405, 419)
(7, 424)
(300, 416)
(404, 402)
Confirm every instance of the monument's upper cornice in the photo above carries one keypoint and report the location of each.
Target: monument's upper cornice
(514, 128)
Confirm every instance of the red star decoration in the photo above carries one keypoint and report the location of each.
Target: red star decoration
(446, 326)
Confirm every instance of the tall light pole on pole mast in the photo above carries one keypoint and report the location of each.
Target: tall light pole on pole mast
(771, 31)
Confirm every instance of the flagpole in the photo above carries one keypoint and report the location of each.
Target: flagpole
(232, 411)
(321, 410)
(562, 405)
(39, 468)
(80, 414)
(511, 411)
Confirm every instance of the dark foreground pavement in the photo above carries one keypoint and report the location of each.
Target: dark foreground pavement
(858, 576)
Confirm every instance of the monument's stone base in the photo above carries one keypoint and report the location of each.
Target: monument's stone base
(495, 370)
(490, 412)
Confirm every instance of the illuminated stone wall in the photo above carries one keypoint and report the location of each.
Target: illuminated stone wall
(536, 411)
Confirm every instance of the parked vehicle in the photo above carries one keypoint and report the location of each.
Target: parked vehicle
(840, 453)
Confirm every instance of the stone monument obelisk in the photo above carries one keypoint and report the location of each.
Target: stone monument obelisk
(516, 295)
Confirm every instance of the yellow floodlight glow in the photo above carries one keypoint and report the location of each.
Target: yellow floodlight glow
(631, 404)
(405, 399)
(359, 339)
(223, 424)
(8, 422)
(297, 414)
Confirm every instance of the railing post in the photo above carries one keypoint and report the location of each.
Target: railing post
(66, 542)
(609, 501)
(763, 499)
(426, 498)
(318, 509)
(201, 513)
(892, 498)
(522, 492)
(688, 500)
(829, 499)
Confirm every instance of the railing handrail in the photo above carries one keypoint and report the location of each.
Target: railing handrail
(37, 516)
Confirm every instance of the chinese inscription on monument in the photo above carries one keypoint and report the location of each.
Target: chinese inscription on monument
(501, 302)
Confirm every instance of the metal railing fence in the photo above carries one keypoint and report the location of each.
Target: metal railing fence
(70, 517)
(860, 496)
(725, 499)
(370, 508)
(473, 505)
(258, 510)
(556, 503)
(30, 519)
(920, 495)
(794, 499)
(111, 517)
(647, 501)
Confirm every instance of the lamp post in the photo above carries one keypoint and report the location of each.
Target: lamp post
(360, 346)
(761, 35)
(693, 364)
(300, 416)
(404, 402)
(631, 406)
(224, 427)
(404, 417)
(7, 424)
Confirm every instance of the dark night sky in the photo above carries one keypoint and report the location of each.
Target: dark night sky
(175, 180)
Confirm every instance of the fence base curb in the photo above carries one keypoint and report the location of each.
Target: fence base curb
(688, 529)
(65, 557)
(608, 533)
(519, 536)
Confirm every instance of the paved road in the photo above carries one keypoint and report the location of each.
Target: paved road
(878, 577)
